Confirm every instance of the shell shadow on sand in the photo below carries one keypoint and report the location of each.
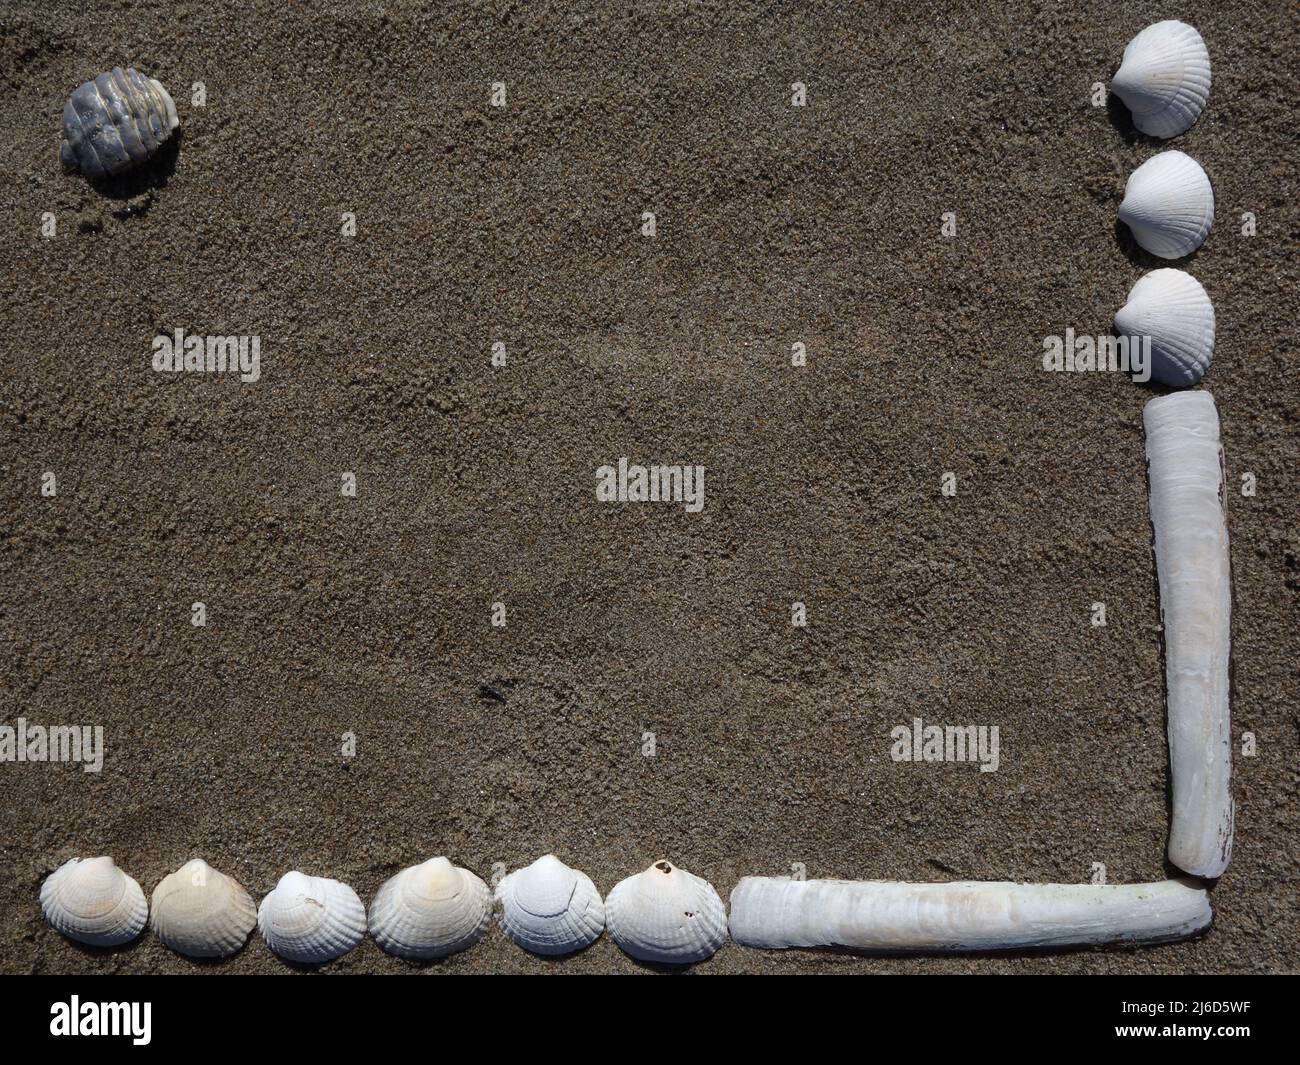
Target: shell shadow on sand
(146, 179)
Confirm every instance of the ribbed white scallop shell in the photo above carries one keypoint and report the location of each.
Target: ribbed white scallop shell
(1171, 308)
(666, 914)
(201, 912)
(1169, 205)
(430, 910)
(1164, 78)
(92, 901)
(549, 908)
(311, 919)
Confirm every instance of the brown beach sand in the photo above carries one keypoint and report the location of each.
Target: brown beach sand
(370, 615)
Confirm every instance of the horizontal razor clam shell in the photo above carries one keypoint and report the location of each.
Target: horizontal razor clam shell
(1185, 466)
(889, 916)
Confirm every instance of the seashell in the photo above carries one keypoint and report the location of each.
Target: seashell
(549, 908)
(92, 901)
(201, 912)
(1171, 308)
(666, 914)
(1169, 205)
(115, 123)
(1185, 466)
(311, 919)
(880, 915)
(430, 911)
(1164, 78)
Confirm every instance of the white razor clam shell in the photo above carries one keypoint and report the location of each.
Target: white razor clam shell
(1185, 466)
(888, 916)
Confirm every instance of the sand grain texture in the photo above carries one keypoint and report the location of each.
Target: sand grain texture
(776, 224)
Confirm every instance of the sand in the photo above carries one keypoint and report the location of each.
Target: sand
(371, 615)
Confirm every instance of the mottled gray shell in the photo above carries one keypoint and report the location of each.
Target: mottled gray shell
(115, 123)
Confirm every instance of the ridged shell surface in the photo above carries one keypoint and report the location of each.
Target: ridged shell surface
(548, 908)
(202, 913)
(1169, 205)
(1171, 308)
(1164, 78)
(667, 915)
(311, 919)
(116, 122)
(430, 910)
(92, 901)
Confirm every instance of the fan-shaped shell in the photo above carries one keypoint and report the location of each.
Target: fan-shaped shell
(430, 910)
(1164, 78)
(549, 908)
(1169, 205)
(115, 123)
(201, 912)
(311, 919)
(1171, 308)
(666, 914)
(92, 901)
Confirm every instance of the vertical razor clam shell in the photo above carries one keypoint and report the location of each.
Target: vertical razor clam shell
(1185, 464)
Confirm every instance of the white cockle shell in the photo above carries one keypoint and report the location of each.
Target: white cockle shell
(1171, 308)
(1169, 205)
(200, 912)
(430, 910)
(311, 919)
(92, 901)
(549, 908)
(667, 915)
(1164, 78)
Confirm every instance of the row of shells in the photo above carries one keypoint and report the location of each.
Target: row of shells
(1168, 205)
(663, 914)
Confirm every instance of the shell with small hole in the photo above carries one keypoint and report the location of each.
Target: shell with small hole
(1171, 308)
(200, 912)
(311, 919)
(548, 908)
(1169, 205)
(430, 910)
(92, 901)
(115, 123)
(1164, 78)
(666, 915)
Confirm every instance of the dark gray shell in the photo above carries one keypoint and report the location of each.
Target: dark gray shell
(115, 123)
